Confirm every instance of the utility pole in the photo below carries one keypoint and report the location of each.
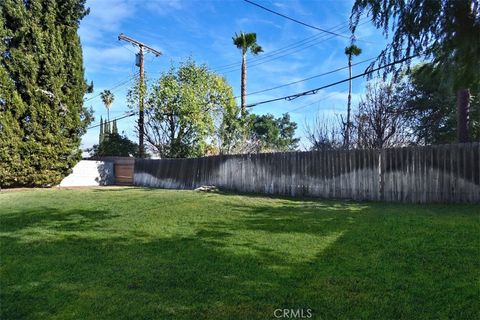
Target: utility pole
(139, 63)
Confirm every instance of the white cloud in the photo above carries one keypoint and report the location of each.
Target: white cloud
(107, 58)
(105, 16)
(283, 67)
(247, 24)
(164, 7)
(280, 5)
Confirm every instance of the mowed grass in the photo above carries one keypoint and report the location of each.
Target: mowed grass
(128, 253)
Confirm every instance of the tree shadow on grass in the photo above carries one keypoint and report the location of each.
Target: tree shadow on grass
(303, 217)
(68, 274)
(68, 220)
(118, 189)
(244, 268)
(118, 278)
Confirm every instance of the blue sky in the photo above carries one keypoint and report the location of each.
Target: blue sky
(203, 30)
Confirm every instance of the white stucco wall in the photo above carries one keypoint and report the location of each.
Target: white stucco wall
(90, 173)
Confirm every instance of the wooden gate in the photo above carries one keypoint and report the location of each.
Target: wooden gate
(123, 167)
(124, 171)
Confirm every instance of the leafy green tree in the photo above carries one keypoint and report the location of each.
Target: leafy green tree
(107, 99)
(116, 145)
(184, 109)
(431, 110)
(273, 134)
(231, 130)
(246, 42)
(446, 31)
(350, 51)
(41, 91)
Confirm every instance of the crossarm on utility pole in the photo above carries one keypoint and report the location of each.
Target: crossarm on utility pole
(142, 47)
(139, 44)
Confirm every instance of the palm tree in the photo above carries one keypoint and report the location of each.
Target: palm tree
(107, 98)
(350, 51)
(246, 41)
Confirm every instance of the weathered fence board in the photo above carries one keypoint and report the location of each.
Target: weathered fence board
(123, 169)
(444, 173)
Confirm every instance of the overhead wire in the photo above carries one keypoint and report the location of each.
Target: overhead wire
(309, 78)
(297, 21)
(316, 101)
(265, 60)
(130, 114)
(275, 56)
(300, 22)
(116, 86)
(287, 47)
(315, 91)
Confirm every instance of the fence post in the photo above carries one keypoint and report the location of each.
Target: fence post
(381, 173)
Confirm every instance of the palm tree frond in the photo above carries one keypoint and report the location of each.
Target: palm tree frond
(256, 49)
(353, 50)
(239, 40)
(107, 98)
(250, 39)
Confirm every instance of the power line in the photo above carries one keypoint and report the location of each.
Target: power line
(280, 53)
(287, 47)
(131, 114)
(126, 48)
(297, 21)
(288, 52)
(258, 62)
(316, 101)
(309, 78)
(118, 85)
(315, 91)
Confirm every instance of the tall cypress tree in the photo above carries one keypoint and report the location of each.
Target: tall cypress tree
(106, 128)
(42, 86)
(102, 134)
(114, 127)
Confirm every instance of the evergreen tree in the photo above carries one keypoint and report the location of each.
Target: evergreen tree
(114, 127)
(106, 128)
(41, 90)
(446, 32)
(102, 134)
(117, 146)
(273, 134)
(431, 107)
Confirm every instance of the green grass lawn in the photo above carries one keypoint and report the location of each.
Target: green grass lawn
(127, 253)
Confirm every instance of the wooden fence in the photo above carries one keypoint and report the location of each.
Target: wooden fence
(443, 173)
(123, 169)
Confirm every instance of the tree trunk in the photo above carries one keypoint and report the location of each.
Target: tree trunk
(244, 83)
(349, 103)
(463, 109)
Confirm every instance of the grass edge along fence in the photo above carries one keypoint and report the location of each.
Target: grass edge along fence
(441, 173)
